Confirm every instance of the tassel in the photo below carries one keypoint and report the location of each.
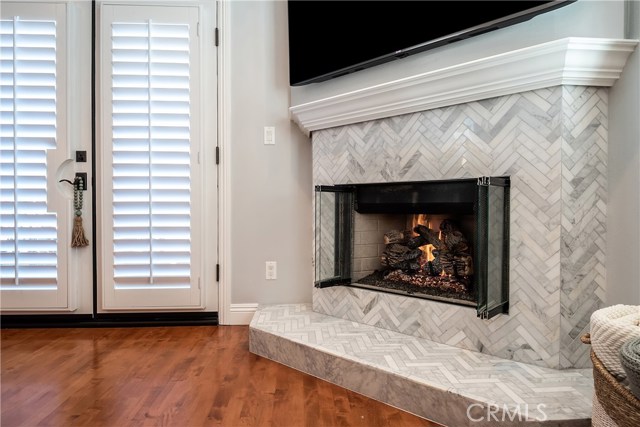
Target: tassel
(77, 237)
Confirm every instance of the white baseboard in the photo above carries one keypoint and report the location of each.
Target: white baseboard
(240, 314)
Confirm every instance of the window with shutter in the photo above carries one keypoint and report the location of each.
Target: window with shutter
(33, 257)
(153, 143)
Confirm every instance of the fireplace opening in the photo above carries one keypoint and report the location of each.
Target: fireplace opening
(418, 254)
(440, 240)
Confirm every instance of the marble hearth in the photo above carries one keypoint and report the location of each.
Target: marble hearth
(446, 384)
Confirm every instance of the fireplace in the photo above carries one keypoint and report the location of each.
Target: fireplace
(440, 240)
(549, 136)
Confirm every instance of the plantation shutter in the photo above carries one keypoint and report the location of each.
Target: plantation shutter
(28, 77)
(152, 170)
(34, 215)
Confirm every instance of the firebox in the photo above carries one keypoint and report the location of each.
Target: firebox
(445, 240)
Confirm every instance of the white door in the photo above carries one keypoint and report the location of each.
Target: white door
(153, 234)
(35, 209)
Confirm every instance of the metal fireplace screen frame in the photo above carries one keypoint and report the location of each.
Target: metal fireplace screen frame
(334, 230)
(492, 246)
(487, 198)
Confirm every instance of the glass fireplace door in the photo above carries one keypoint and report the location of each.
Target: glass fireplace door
(493, 246)
(333, 235)
(444, 240)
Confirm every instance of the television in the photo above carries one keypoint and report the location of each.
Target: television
(332, 38)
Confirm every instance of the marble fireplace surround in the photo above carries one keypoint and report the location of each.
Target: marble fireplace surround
(537, 114)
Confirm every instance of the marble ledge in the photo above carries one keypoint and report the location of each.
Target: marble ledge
(445, 384)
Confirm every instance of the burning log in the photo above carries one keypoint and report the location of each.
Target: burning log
(456, 265)
(416, 242)
(395, 236)
(454, 254)
(401, 257)
(450, 251)
(430, 236)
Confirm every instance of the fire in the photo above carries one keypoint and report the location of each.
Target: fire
(427, 250)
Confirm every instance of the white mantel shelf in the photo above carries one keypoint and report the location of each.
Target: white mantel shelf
(568, 61)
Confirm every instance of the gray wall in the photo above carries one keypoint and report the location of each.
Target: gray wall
(271, 188)
(623, 252)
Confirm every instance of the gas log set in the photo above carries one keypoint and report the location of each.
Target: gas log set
(436, 262)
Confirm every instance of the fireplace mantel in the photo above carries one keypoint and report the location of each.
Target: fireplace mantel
(567, 61)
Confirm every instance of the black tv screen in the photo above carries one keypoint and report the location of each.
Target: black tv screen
(331, 38)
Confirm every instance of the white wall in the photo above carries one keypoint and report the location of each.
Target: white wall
(623, 216)
(271, 190)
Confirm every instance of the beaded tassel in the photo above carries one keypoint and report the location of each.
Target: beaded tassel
(77, 236)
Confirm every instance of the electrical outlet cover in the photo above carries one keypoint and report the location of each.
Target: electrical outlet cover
(270, 270)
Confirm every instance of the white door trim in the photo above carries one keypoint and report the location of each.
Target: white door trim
(225, 316)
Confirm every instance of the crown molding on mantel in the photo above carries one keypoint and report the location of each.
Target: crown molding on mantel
(568, 61)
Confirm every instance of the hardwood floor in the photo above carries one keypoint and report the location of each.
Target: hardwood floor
(170, 376)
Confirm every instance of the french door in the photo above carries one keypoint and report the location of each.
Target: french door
(155, 181)
(151, 169)
(35, 210)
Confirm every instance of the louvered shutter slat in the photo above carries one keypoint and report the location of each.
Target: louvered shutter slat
(151, 156)
(28, 119)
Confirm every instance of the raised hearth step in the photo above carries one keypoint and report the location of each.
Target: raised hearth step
(446, 384)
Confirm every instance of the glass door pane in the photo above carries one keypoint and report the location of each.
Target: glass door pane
(493, 246)
(333, 235)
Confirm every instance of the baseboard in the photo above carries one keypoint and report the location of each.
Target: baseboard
(107, 320)
(240, 314)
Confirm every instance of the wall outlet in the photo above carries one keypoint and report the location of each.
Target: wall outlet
(269, 135)
(270, 270)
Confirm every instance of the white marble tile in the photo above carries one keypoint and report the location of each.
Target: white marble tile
(415, 374)
(553, 144)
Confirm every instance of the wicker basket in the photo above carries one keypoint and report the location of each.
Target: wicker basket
(630, 358)
(599, 417)
(618, 402)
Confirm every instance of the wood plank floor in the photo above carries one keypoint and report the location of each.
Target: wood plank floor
(170, 376)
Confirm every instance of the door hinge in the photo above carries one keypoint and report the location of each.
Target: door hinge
(217, 155)
(198, 29)
(217, 272)
(484, 181)
(199, 283)
(216, 36)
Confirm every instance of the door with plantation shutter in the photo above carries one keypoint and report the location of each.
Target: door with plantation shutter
(151, 150)
(34, 209)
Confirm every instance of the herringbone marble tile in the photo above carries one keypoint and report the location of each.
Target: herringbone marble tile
(583, 234)
(552, 143)
(565, 394)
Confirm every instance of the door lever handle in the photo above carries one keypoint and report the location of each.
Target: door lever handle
(80, 176)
